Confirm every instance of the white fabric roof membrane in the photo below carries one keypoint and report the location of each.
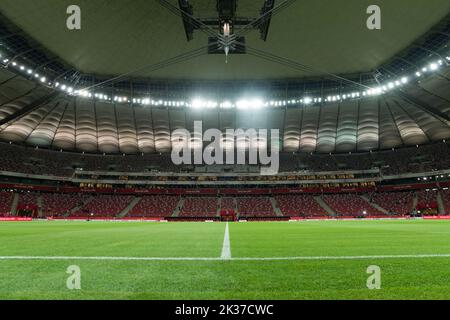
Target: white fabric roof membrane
(73, 123)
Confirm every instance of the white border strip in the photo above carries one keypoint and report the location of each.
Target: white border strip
(401, 256)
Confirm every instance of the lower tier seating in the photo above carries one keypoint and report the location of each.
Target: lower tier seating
(155, 206)
(104, 206)
(399, 203)
(427, 200)
(446, 200)
(199, 206)
(56, 204)
(6, 199)
(300, 205)
(351, 205)
(254, 206)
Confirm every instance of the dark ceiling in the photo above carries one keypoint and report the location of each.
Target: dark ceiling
(121, 35)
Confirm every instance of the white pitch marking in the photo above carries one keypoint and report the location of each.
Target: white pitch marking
(107, 258)
(402, 256)
(226, 248)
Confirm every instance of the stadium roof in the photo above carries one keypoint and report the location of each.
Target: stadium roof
(117, 36)
(399, 96)
(416, 115)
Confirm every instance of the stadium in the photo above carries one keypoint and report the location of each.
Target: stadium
(224, 149)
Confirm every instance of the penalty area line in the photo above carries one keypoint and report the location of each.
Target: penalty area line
(401, 256)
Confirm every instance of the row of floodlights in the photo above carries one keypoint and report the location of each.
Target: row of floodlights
(199, 103)
(442, 176)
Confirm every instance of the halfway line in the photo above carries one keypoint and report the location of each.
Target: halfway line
(226, 248)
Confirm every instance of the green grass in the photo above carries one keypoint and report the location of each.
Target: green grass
(402, 278)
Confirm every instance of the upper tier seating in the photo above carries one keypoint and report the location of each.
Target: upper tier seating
(37, 161)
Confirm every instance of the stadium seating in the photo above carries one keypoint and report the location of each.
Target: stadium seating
(57, 204)
(400, 203)
(300, 205)
(39, 161)
(427, 200)
(199, 206)
(104, 206)
(350, 205)
(446, 200)
(28, 199)
(227, 203)
(5, 203)
(254, 206)
(154, 206)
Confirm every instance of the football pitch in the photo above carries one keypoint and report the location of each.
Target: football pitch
(262, 260)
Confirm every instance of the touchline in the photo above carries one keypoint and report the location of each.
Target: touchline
(231, 147)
